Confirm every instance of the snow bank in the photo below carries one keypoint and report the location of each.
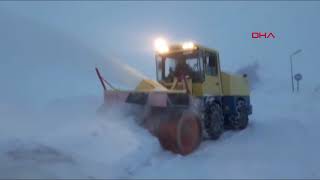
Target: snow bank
(67, 139)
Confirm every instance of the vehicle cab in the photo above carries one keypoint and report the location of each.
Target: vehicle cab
(189, 66)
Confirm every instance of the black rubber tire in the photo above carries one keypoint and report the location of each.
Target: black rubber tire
(213, 120)
(241, 120)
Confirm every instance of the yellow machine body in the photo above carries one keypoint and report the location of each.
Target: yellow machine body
(222, 84)
(189, 81)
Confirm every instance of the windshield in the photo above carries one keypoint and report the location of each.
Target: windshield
(169, 67)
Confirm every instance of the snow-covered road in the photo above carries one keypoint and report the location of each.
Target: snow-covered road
(275, 145)
(69, 140)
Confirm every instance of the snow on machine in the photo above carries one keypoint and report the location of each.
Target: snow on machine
(191, 100)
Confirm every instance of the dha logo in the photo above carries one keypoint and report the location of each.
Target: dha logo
(259, 35)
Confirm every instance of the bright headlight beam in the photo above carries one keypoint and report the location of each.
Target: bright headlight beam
(161, 45)
(188, 45)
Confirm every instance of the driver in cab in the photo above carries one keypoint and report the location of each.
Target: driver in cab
(181, 69)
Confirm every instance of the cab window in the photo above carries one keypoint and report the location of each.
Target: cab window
(175, 65)
(211, 65)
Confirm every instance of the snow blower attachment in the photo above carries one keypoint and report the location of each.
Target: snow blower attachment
(191, 100)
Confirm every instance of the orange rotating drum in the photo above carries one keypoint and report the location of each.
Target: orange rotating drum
(178, 130)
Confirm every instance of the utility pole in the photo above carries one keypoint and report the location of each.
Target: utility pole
(291, 64)
(298, 78)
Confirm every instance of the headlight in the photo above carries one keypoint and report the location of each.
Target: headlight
(188, 45)
(161, 45)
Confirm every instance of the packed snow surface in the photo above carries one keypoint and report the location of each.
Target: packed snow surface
(68, 139)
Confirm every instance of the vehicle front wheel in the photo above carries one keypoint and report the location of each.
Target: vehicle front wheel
(213, 120)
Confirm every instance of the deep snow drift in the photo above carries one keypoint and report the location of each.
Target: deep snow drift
(67, 139)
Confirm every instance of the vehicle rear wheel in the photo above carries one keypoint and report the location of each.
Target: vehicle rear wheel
(241, 119)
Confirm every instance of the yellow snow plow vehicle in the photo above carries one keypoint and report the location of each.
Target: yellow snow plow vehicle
(191, 100)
